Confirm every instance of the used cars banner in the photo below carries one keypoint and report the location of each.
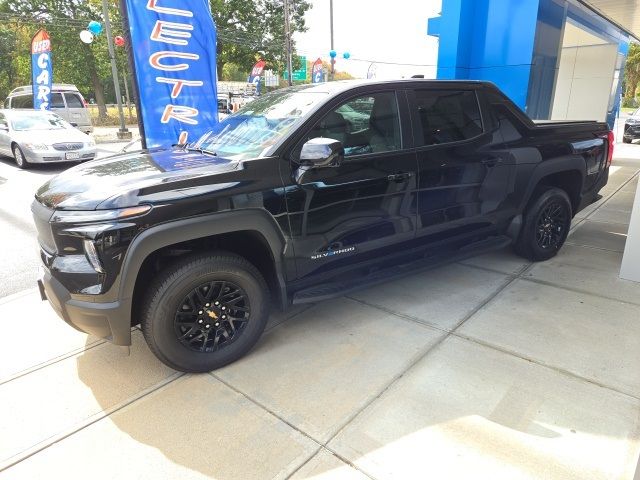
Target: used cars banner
(174, 53)
(41, 70)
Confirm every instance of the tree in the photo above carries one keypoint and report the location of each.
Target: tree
(248, 31)
(86, 66)
(632, 71)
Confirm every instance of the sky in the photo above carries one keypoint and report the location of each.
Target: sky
(373, 31)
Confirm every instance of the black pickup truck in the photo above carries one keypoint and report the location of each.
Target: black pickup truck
(306, 194)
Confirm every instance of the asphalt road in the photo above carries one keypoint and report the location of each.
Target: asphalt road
(18, 245)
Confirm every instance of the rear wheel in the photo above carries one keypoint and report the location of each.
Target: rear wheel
(205, 311)
(19, 157)
(546, 224)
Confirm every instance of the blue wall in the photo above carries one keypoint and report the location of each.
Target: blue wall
(487, 40)
(515, 44)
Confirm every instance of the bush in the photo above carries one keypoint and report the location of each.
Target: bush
(629, 102)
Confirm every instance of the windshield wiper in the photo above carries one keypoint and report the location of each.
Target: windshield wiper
(201, 150)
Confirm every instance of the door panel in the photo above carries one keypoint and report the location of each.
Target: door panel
(341, 216)
(463, 179)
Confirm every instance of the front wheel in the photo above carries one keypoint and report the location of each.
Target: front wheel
(19, 157)
(205, 311)
(546, 225)
(626, 140)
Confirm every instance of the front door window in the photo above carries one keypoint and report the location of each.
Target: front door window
(365, 125)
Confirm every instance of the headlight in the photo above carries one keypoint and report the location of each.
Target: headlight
(81, 216)
(92, 255)
(36, 146)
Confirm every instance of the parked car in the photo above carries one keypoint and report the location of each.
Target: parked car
(66, 101)
(632, 127)
(34, 136)
(281, 202)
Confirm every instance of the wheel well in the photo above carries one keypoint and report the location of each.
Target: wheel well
(249, 244)
(570, 181)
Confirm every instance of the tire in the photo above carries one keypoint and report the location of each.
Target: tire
(19, 157)
(180, 336)
(626, 140)
(546, 224)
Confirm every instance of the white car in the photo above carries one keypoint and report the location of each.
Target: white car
(35, 136)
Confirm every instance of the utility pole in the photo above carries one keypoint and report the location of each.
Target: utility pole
(333, 60)
(123, 133)
(287, 40)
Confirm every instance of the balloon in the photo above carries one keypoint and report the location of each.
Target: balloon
(346, 55)
(95, 27)
(86, 36)
(119, 41)
(333, 54)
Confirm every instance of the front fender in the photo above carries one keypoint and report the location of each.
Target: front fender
(163, 235)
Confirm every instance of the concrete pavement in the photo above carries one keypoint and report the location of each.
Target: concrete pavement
(489, 368)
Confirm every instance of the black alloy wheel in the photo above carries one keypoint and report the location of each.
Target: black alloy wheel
(546, 224)
(212, 316)
(205, 311)
(551, 224)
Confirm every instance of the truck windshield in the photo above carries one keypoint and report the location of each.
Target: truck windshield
(259, 125)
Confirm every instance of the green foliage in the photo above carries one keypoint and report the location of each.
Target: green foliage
(632, 71)
(248, 31)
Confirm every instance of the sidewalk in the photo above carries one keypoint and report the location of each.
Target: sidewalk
(488, 368)
(110, 134)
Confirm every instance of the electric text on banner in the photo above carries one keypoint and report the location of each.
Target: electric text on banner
(175, 60)
(256, 72)
(41, 70)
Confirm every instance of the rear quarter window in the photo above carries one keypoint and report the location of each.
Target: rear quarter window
(22, 101)
(56, 100)
(74, 100)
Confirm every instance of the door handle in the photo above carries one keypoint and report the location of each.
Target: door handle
(398, 177)
(491, 162)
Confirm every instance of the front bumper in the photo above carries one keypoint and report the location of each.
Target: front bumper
(52, 155)
(102, 320)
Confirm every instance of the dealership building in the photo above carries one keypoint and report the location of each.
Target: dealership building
(557, 59)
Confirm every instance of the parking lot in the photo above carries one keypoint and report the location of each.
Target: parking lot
(489, 368)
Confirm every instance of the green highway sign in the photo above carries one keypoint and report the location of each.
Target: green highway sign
(298, 75)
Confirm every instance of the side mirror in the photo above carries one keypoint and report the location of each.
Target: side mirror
(322, 152)
(75, 125)
(319, 153)
(4, 128)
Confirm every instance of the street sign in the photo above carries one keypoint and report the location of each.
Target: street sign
(298, 75)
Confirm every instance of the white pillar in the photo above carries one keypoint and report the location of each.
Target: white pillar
(631, 260)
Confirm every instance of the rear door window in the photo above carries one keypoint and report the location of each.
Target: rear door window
(56, 100)
(447, 116)
(22, 101)
(73, 100)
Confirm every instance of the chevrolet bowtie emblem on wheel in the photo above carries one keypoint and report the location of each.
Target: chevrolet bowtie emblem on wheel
(212, 314)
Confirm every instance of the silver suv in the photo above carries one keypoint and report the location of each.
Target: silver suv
(66, 101)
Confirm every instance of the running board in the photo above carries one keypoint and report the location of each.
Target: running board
(330, 290)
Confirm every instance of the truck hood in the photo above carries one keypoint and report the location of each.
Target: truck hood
(119, 181)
